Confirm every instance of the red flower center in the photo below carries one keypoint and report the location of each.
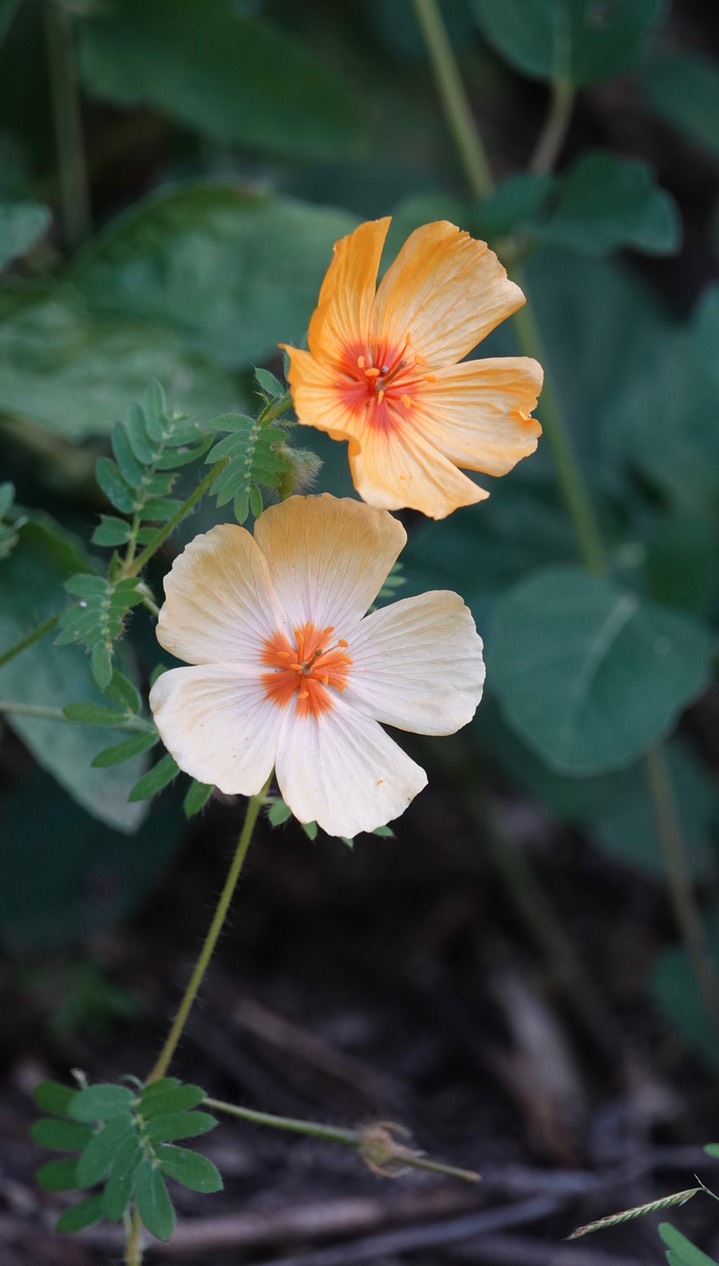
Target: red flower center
(382, 381)
(307, 671)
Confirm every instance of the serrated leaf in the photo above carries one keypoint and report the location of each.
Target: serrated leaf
(81, 1215)
(191, 1169)
(133, 746)
(96, 1159)
(52, 1096)
(179, 1125)
(115, 488)
(173, 1099)
(57, 1175)
(119, 1185)
(101, 1102)
(196, 797)
(111, 531)
(153, 1202)
(61, 1136)
(589, 674)
(156, 778)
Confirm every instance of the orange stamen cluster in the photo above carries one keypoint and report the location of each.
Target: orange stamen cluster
(307, 671)
(382, 382)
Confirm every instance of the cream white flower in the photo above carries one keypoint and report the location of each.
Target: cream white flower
(291, 674)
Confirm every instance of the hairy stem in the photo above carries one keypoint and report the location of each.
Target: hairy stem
(456, 106)
(136, 566)
(133, 1240)
(357, 1140)
(68, 123)
(163, 1060)
(551, 138)
(30, 639)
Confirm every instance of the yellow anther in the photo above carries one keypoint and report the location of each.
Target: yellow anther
(407, 401)
(342, 642)
(361, 362)
(372, 372)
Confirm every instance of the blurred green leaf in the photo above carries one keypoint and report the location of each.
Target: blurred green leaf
(681, 1251)
(21, 223)
(123, 1168)
(97, 1157)
(120, 752)
(52, 1096)
(57, 1175)
(78, 1216)
(189, 1168)
(683, 89)
(514, 205)
(64, 876)
(153, 1202)
(589, 674)
(179, 1125)
(676, 993)
(61, 1136)
(31, 589)
(606, 202)
(229, 76)
(240, 270)
(578, 40)
(196, 798)
(156, 779)
(682, 563)
(73, 370)
(170, 1099)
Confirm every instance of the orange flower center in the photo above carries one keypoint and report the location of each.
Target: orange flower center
(382, 382)
(307, 671)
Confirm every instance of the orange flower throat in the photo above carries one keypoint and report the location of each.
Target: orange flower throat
(382, 381)
(307, 671)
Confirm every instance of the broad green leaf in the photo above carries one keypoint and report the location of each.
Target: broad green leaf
(514, 205)
(153, 1202)
(179, 1125)
(52, 1096)
(101, 1102)
(118, 1188)
(189, 1168)
(607, 202)
(576, 40)
(231, 77)
(78, 1216)
(222, 252)
(173, 1099)
(31, 590)
(682, 1251)
(73, 370)
(156, 779)
(196, 798)
(682, 564)
(58, 886)
(21, 224)
(683, 89)
(97, 1157)
(57, 1175)
(62, 1136)
(589, 674)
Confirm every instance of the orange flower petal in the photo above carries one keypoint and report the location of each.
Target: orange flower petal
(403, 469)
(348, 290)
(477, 414)
(316, 397)
(446, 290)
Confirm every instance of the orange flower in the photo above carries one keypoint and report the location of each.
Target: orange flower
(382, 371)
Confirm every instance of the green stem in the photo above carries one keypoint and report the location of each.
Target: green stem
(454, 99)
(33, 710)
(68, 123)
(133, 1240)
(551, 138)
(166, 531)
(357, 1140)
(568, 471)
(46, 627)
(163, 1060)
(686, 910)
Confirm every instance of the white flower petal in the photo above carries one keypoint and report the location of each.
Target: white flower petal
(417, 664)
(343, 772)
(218, 600)
(219, 725)
(328, 557)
